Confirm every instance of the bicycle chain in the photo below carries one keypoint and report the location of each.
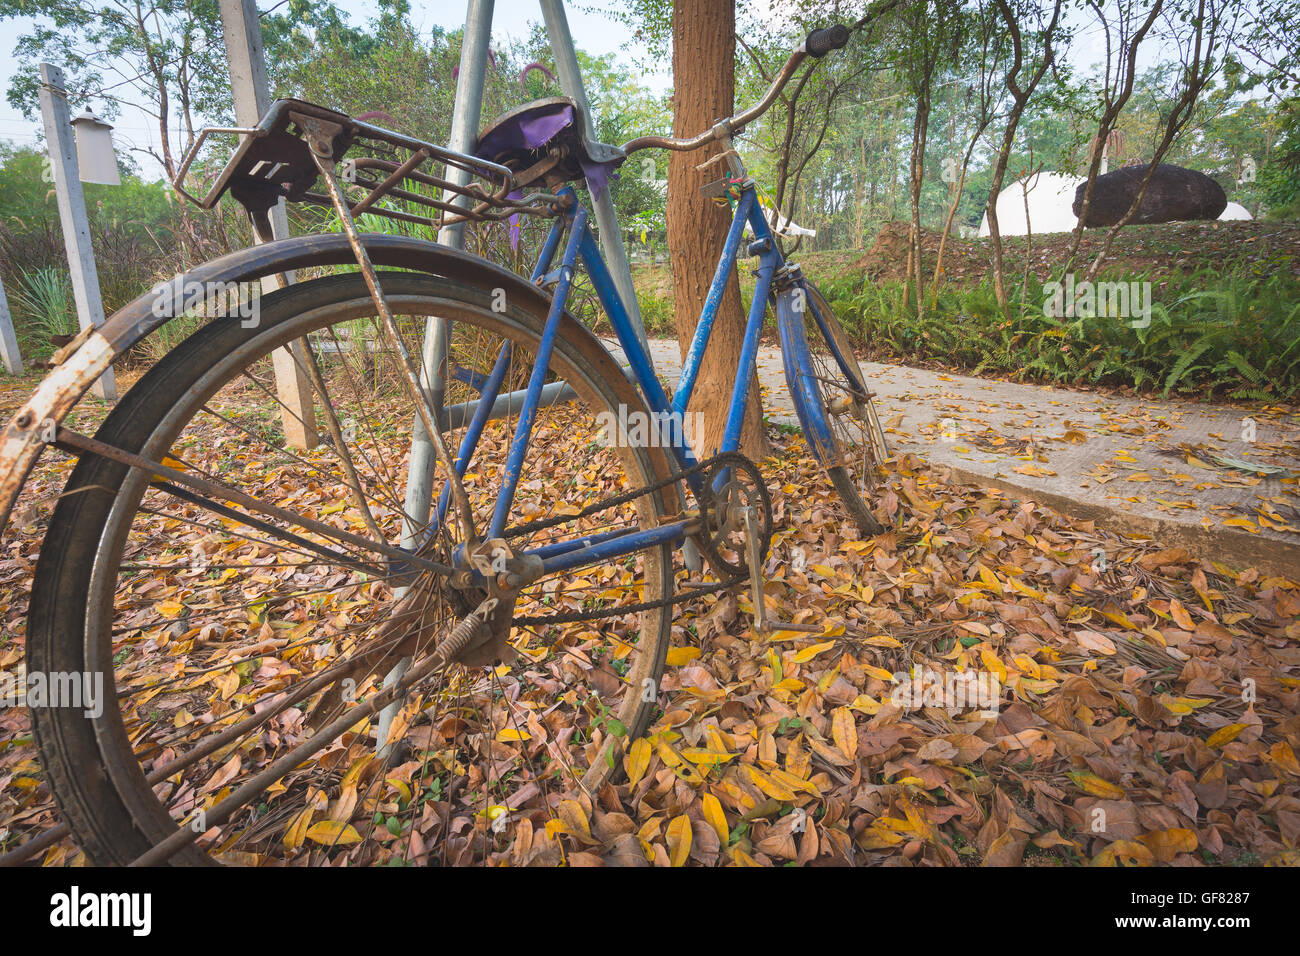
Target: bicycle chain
(705, 498)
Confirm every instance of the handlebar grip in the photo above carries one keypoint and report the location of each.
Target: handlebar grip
(821, 42)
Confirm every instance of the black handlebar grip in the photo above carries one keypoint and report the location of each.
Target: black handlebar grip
(821, 42)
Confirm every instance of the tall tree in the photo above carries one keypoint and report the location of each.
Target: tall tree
(704, 87)
(1199, 28)
(931, 34)
(163, 58)
(1028, 67)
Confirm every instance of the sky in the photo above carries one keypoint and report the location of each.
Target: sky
(595, 32)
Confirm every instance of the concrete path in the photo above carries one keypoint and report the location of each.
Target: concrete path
(1141, 467)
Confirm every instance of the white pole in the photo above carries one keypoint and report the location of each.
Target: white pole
(72, 212)
(13, 359)
(243, 35)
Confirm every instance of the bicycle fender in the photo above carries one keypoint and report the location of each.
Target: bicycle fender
(801, 380)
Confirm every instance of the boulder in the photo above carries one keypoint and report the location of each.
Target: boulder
(1174, 194)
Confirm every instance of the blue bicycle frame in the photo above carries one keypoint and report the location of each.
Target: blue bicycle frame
(579, 245)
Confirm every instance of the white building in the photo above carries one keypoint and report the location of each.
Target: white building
(1049, 195)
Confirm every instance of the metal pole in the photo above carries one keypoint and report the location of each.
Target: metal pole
(248, 83)
(13, 359)
(611, 238)
(72, 212)
(465, 116)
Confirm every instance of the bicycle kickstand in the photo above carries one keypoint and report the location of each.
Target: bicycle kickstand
(762, 624)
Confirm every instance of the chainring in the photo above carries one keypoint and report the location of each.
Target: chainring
(721, 512)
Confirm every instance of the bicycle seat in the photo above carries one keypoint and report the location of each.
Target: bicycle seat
(543, 143)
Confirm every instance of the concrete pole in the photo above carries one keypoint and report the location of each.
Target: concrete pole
(243, 35)
(72, 212)
(13, 360)
(611, 238)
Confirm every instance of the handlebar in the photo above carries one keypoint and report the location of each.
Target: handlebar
(821, 42)
(817, 44)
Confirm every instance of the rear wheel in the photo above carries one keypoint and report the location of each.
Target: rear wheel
(231, 639)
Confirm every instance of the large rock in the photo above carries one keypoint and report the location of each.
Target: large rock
(1174, 194)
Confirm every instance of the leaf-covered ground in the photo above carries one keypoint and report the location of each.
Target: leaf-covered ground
(1145, 713)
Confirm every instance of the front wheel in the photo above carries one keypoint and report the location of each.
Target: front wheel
(832, 399)
(241, 651)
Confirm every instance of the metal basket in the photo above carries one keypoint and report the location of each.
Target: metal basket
(385, 173)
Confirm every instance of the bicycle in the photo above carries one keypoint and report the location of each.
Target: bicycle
(522, 618)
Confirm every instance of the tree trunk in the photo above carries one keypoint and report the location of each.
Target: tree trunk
(704, 46)
(915, 239)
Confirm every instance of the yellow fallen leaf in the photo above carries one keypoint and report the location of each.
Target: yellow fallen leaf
(714, 817)
(1242, 523)
(878, 672)
(808, 653)
(1167, 844)
(296, 832)
(741, 858)
(990, 580)
(677, 656)
(574, 817)
(698, 755)
(333, 833)
(1225, 735)
(170, 609)
(1095, 785)
(667, 754)
(679, 840)
(637, 760)
(993, 664)
(769, 787)
(1129, 852)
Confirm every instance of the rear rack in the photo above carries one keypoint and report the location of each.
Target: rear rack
(279, 158)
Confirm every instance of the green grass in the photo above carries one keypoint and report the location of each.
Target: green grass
(1209, 335)
(43, 309)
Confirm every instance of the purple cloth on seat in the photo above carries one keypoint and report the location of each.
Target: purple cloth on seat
(534, 129)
